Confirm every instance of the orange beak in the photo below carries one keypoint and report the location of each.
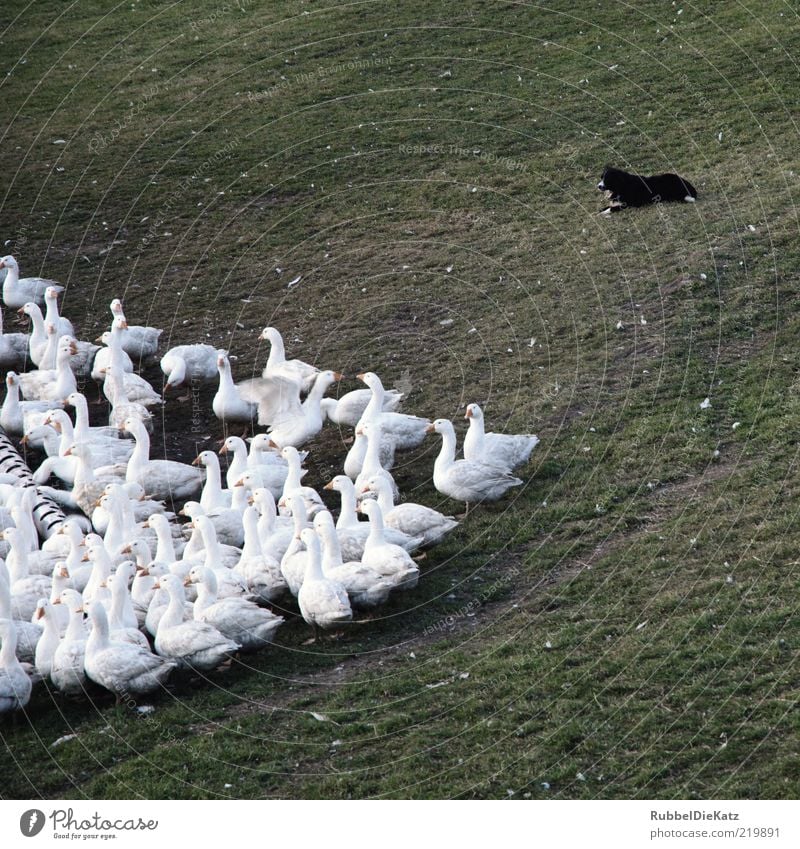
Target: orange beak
(430, 429)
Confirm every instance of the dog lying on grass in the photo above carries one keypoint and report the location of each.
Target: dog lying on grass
(625, 189)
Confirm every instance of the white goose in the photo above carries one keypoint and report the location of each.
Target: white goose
(230, 583)
(13, 348)
(52, 384)
(123, 668)
(275, 532)
(197, 645)
(498, 449)
(236, 451)
(28, 632)
(26, 589)
(112, 352)
(161, 479)
(387, 559)
(228, 404)
(189, 364)
(300, 373)
(135, 389)
(354, 460)
(166, 549)
(226, 521)
(37, 341)
(122, 407)
(466, 480)
(407, 431)
(293, 486)
(213, 496)
(122, 621)
(261, 573)
(67, 671)
(96, 588)
(295, 558)
(296, 425)
(15, 685)
(138, 341)
(83, 432)
(323, 602)
(89, 486)
(16, 416)
(347, 409)
(17, 292)
(271, 478)
(238, 619)
(416, 520)
(365, 587)
(371, 467)
(49, 638)
(52, 315)
(352, 533)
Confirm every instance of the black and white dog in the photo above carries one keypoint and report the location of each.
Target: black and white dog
(632, 190)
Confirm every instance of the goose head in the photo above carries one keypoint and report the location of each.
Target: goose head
(9, 262)
(371, 379)
(441, 426)
(231, 444)
(271, 335)
(473, 412)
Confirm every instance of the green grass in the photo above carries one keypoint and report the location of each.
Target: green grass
(626, 625)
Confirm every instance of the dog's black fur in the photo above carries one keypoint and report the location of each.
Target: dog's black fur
(632, 190)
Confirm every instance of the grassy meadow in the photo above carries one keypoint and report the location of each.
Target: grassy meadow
(627, 623)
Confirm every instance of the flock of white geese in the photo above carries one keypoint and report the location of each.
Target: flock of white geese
(122, 593)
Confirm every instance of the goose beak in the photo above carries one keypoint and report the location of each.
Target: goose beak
(468, 414)
(240, 482)
(328, 485)
(187, 581)
(125, 549)
(274, 445)
(181, 512)
(57, 600)
(430, 429)
(25, 440)
(224, 449)
(196, 461)
(85, 558)
(99, 339)
(39, 613)
(21, 310)
(250, 499)
(360, 376)
(123, 324)
(337, 375)
(364, 489)
(73, 348)
(146, 523)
